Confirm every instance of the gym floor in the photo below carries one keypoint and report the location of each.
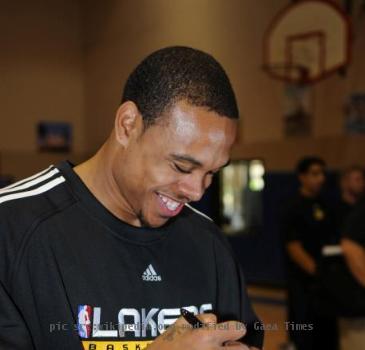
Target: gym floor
(270, 306)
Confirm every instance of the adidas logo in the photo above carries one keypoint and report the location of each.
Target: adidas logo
(150, 275)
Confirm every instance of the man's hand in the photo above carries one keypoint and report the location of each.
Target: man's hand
(213, 336)
(355, 257)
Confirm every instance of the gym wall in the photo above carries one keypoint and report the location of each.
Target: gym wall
(68, 61)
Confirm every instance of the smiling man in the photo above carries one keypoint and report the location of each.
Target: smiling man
(105, 254)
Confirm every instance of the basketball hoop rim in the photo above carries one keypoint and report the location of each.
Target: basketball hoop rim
(269, 69)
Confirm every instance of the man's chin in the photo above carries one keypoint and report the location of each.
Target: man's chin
(153, 222)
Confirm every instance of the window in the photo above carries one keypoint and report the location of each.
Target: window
(241, 186)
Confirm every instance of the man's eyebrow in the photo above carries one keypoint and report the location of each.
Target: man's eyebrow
(193, 161)
(186, 158)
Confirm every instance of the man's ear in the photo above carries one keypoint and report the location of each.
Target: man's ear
(128, 123)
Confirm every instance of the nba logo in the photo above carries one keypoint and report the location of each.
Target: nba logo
(83, 320)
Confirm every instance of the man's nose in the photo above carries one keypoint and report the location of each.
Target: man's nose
(192, 187)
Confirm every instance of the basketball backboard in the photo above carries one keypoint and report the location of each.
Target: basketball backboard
(307, 41)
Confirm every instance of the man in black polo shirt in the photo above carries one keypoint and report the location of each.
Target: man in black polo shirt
(307, 228)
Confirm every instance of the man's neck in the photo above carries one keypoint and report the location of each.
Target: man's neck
(307, 193)
(97, 175)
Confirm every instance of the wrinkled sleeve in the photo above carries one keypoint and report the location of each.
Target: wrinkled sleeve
(14, 334)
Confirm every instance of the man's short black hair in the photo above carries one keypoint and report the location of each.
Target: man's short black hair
(179, 73)
(305, 163)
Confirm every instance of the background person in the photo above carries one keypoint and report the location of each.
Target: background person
(352, 329)
(352, 185)
(307, 228)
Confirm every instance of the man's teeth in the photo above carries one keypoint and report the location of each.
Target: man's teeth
(170, 204)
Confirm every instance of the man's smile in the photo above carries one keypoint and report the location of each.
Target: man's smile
(169, 206)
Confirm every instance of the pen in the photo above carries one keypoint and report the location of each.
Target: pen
(191, 318)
